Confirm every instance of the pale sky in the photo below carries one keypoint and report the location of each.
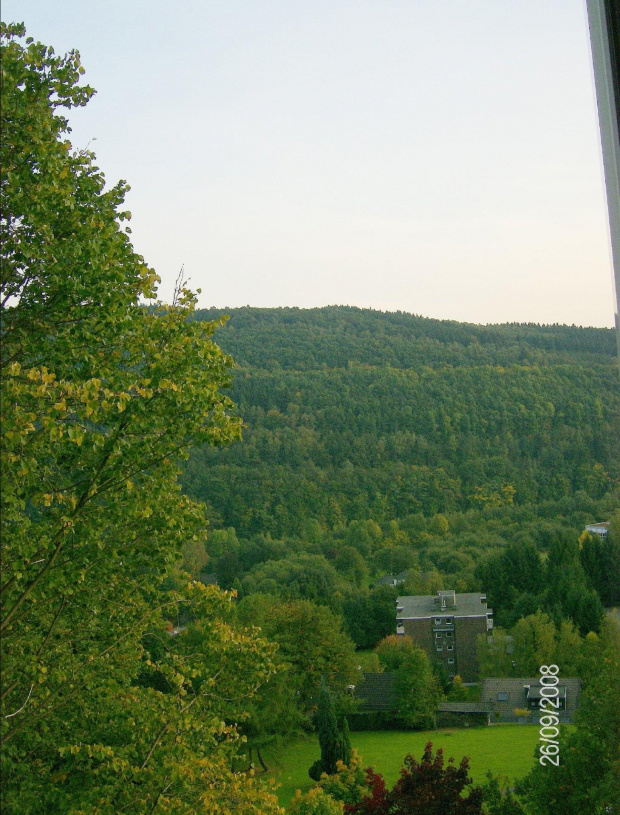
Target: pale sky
(440, 157)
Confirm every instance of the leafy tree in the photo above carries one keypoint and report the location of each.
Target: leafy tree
(310, 640)
(495, 654)
(227, 569)
(575, 786)
(427, 787)
(348, 784)
(222, 541)
(498, 800)
(102, 399)
(315, 802)
(417, 690)
(394, 559)
(587, 778)
(194, 556)
(569, 649)
(364, 536)
(416, 685)
(276, 712)
(299, 577)
(350, 563)
(273, 715)
(442, 676)
(458, 692)
(423, 583)
(534, 643)
(393, 650)
(369, 617)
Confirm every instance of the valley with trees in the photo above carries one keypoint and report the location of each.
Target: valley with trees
(208, 516)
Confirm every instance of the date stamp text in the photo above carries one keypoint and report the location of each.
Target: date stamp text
(549, 721)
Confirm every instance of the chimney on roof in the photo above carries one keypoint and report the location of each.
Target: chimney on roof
(446, 599)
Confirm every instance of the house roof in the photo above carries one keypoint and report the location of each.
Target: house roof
(534, 691)
(392, 579)
(376, 691)
(429, 605)
(207, 579)
(568, 687)
(463, 707)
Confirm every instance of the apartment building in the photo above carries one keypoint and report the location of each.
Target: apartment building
(446, 626)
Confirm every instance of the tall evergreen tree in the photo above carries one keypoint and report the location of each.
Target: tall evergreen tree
(345, 742)
(334, 741)
(329, 735)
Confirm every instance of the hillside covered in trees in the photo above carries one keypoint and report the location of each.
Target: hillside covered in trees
(470, 457)
(354, 414)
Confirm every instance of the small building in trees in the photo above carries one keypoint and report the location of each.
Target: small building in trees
(446, 626)
(600, 528)
(392, 579)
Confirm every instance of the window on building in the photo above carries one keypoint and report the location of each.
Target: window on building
(448, 633)
(450, 647)
(449, 621)
(440, 647)
(438, 636)
(502, 696)
(451, 661)
(437, 620)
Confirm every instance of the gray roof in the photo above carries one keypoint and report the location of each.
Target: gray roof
(420, 606)
(492, 685)
(463, 707)
(535, 691)
(392, 579)
(207, 579)
(376, 691)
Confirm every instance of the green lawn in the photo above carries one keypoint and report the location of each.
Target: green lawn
(506, 750)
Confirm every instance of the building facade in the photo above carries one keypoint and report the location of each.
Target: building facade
(446, 626)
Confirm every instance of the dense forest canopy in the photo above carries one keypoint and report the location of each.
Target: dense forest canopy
(334, 336)
(354, 414)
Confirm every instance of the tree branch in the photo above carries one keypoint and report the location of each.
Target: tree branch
(10, 715)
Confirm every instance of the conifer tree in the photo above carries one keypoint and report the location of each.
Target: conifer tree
(345, 742)
(334, 741)
(329, 735)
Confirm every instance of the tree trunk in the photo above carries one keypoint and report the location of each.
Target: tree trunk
(260, 758)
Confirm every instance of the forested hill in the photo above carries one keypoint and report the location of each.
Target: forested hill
(355, 414)
(335, 336)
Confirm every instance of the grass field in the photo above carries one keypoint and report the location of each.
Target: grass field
(506, 750)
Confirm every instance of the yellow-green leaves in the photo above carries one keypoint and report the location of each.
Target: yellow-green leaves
(101, 398)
